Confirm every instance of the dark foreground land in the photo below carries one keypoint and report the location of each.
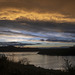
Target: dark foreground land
(44, 51)
(12, 68)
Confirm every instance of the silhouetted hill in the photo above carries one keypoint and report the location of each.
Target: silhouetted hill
(58, 51)
(16, 49)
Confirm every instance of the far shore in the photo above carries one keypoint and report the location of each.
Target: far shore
(44, 51)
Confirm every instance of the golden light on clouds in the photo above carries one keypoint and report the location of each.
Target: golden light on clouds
(13, 14)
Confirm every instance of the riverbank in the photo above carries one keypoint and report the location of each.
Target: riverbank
(17, 68)
(58, 51)
(44, 51)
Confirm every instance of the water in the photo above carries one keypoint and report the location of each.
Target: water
(44, 61)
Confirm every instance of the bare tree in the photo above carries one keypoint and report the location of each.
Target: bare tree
(68, 65)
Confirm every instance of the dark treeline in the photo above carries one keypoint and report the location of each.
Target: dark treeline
(17, 49)
(59, 51)
(45, 51)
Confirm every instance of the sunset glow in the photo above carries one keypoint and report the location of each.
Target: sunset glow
(42, 21)
(17, 14)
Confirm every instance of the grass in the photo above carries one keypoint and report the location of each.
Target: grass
(17, 68)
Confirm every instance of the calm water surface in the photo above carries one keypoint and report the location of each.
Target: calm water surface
(44, 61)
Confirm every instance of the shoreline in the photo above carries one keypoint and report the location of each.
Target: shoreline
(18, 68)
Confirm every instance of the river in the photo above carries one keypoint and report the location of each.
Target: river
(44, 61)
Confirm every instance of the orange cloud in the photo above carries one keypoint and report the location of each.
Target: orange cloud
(13, 14)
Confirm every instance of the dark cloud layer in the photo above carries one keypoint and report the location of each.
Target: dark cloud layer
(38, 26)
(62, 6)
(36, 30)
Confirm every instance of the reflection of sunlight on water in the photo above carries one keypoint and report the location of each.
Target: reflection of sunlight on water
(16, 56)
(45, 61)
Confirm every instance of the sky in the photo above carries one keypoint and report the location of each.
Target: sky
(48, 22)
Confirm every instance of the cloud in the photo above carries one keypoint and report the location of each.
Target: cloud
(19, 14)
(26, 30)
(36, 26)
(60, 6)
(42, 19)
(47, 10)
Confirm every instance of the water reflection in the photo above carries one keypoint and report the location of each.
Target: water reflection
(45, 61)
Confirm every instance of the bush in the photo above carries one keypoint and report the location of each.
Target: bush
(68, 66)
